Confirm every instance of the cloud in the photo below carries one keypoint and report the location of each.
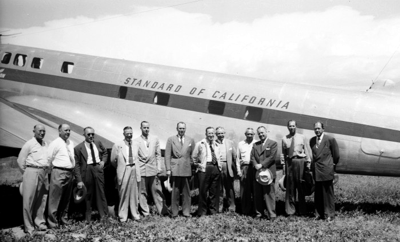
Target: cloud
(335, 47)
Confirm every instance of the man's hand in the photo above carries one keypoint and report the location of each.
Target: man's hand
(258, 166)
(308, 165)
(80, 185)
(168, 173)
(101, 164)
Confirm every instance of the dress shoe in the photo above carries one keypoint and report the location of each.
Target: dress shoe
(64, 221)
(330, 219)
(41, 227)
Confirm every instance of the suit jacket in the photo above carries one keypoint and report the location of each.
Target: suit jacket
(264, 155)
(199, 155)
(230, 157)
(81, 156)
(178, 157)
(324, 157)
(149, 158)
(120, 157)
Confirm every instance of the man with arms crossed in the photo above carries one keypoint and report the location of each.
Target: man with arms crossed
(325, 153)
(242, 163)
(296, 153)
(206, 156)
(90, 156)
(228, 161)
(149, 154)
(178, 162)
(124, 159)
(61, 156)
(32, 161)
(262, 156)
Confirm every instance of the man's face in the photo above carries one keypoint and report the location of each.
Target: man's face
(145, 127)
(292, 127)
(89, 135)
(262, 134)
(64, 132)
(318, 130)
(249, 135)
(210, 134)
(39, 132)
(220, 134)
(128, 134)
(181, 129)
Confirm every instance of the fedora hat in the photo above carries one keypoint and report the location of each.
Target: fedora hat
(264, 176)
(20, 188)
(282, 183)
(79, 194)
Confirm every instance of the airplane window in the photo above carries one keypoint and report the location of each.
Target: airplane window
(37, 63)
(20, 60)
(253, 114)
(122, 92)
(161, 98)
(67, 67)
(216, 107)
(6, 58)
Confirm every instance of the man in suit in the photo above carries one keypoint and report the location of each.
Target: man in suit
(296, 154)
(263, 156)
(90, 156)
(325, 153)
(206, 157)
(124, 159)
(149, 155)
(228, 161)
(178, 162)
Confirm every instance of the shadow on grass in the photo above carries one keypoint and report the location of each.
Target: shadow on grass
(367, 208)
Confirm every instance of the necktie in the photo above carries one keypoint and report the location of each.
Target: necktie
(92, 152)
(181, 140)
(130, 153)
(214, 157)
(291, 148)
(318, 141)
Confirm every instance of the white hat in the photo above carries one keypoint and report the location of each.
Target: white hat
(167, 185)
(264, 176)
(20, 188)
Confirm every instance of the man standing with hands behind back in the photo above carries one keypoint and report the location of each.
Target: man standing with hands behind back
(90, 156)
(325, 152)
(178, 162)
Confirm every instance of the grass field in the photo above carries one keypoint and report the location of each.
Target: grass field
(368, 209)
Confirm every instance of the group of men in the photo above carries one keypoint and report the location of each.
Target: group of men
(138, 162)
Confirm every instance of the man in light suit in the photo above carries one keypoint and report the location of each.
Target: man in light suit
(124, 158)
(178, 162)
(325, 153)
(149, 155)
(207, 159)
(90, 156)
(228, 161)
(263, 156)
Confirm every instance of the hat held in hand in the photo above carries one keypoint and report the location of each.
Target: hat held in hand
(264, 176)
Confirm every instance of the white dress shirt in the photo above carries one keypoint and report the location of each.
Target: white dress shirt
(89, 152)
(61, 153)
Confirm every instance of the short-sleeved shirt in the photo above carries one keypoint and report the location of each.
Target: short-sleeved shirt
(33, 153)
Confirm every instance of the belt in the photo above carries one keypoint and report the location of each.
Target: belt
(211, 164)
(95, 164)
(130, 164)
(223, 161)
(297, 157)
(37, 167)
(62, 168)
(244, 165)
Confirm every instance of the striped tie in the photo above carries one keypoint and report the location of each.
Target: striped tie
(214, 157)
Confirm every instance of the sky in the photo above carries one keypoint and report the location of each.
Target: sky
(345, 44)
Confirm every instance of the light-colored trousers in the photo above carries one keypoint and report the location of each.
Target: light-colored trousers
(295, 170)
(34, 192)
(129, 195)
(152, 185)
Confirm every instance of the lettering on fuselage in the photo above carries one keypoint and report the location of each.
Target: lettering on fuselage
(201, 92)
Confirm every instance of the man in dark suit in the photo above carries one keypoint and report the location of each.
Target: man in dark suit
(325, 153)
(178, 162)
(90, 156)
(228, 160)
(263, 156)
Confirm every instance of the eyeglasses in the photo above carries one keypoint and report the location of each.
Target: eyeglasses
(90, 134)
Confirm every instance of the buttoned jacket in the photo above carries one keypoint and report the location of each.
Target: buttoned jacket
(230, 156)
(81, 157)
(149, 157)
(264, 154)
(325, 157)
(178, 157)
(199, 155)
(120, 157)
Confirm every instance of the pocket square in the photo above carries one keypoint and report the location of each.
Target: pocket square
(230, 148)
(190, 144)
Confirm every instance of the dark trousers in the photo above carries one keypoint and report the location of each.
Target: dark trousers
(295, 170)
(227, 185)
(180, 185)
(324, 199)
(59, 196)
(209, 182)
(246, 191)
(94, 183)
(264, 198)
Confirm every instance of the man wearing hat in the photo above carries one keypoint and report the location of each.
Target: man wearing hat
(90, 156)
(262, 160)
(296, 153)
(32, 161)
(178, 162)
(325, 153)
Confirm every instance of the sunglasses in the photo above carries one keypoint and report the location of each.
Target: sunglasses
(90, 134)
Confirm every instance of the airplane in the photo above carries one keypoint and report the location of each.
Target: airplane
(54, 87)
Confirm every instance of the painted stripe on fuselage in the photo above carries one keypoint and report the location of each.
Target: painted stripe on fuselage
(232, 110)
